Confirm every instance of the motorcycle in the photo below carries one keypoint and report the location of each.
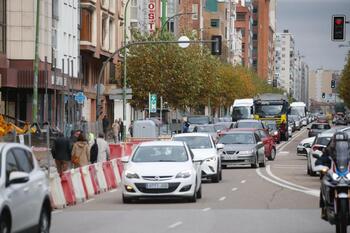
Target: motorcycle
(335, 185)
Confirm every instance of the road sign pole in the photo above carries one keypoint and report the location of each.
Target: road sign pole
(149, 104)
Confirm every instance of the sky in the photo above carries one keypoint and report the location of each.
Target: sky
(310, 23)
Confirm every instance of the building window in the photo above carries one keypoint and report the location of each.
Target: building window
(86, 21)
(255, 36)
(133, 10)
(240, 16)
(214, 23)
(255, 22)
(195, 11)
(104, 29)
(2, 26)
(111, 34)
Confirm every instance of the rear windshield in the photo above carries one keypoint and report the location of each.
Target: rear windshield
(255, 125)
(323, 141)
(320, 126)
(238, 138)
(198, 120)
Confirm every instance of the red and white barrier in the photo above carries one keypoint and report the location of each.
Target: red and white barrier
(116, 171)
(87, 183)
(109, 175)
(57, 195)
(101, 177)
(78, 185)
(68, 189)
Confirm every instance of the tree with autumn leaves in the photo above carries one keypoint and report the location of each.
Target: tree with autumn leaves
(186, 78)
(344, 83)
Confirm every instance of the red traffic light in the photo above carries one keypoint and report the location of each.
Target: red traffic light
(338, 28)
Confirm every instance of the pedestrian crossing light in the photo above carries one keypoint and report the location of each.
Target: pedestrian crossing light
(338, 27)
(216, 45)
(333, 84)
(323, 95)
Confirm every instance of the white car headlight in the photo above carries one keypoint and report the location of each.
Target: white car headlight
(184, 174)
(275, 133)
(211, 159)
(131, 175)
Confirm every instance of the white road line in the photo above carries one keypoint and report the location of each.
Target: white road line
(234, 189)
(90, 200)
(175, 224)
(284, 152)
(206, 209)
(57, 211)
(222, 198)
(112, 191)
(243, 181)
(309, 192)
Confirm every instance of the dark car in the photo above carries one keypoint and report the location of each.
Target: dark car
(317, 128)
(251, 124)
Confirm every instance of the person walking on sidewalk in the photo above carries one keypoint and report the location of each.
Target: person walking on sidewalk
(105, 125)
(103, 148)
(61, 153)
(116, 130)
(80, 152)
(121, 126)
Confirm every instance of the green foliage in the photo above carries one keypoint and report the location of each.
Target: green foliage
(186, 77)
(344, 83)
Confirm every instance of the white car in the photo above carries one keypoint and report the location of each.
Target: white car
(161, 169)
(304, 146)
(203, 147)
(24, 191)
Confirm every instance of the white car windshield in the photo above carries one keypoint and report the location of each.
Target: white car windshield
(195, 142)
(147, 154)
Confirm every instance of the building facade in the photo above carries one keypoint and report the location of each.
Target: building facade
(321, 90)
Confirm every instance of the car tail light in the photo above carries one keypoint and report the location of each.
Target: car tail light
(317, 147)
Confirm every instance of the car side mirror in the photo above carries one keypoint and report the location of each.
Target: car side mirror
(17, 177)
(220, 146)
(125, 159)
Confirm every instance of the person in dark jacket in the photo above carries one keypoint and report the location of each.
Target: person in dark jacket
(61, 153)
(105, 125)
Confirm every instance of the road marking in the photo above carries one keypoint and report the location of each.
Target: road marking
(309, 192)
(234, 189)
(112, 191)
(57, 211)
(294, 137)
(175, 224)
(90, 200)
(206, 209)
(222, 198)
(283, 152)
(243, 181)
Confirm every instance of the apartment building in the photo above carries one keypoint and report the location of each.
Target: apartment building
(320, 83)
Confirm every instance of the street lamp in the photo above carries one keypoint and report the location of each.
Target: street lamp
(179, 14)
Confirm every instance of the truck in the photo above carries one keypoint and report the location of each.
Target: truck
(299, 109)
(273, 107)
(242, 109)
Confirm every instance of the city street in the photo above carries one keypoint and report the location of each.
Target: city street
(278, 198)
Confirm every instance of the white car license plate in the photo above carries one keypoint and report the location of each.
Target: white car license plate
(230, 157)
(157, 185)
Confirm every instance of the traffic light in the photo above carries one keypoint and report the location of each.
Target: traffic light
(216, 45)
(323, 95)
(338, 27)
(333, 84)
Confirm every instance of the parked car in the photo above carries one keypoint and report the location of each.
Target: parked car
(297, 121)
(340, 119)
(161, 169)
(251, 124)
(273, 130)
(24, 191)
(304, 146)
(242, 147)
(203, 147)
(317, 128)
(195, 120)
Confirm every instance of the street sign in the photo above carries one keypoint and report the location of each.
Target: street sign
(120, 91)
(120, 97)
(80, 97)
(153, 103)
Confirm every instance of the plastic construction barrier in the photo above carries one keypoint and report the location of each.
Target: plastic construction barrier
(57, 195)
(67, 186)
(94, 180)
(101, 177)
(78, 185)
(128, 147)
(117, 174)
(109, 175)
(86, 180)
(116, 151)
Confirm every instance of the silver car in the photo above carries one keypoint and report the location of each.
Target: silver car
(242, 147)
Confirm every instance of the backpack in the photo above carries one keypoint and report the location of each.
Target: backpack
(94, 152)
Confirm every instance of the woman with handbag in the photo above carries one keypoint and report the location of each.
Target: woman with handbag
(80, 152)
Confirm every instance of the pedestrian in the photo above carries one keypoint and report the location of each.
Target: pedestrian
(61, 153)
(121, 126)
(116, 130)
(131, 129)
(185, 127)
(80, 152)
(105, 125)
(103, 148)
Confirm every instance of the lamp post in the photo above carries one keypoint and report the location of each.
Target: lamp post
(179, 14)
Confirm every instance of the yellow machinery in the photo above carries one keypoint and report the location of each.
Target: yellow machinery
(8, 127)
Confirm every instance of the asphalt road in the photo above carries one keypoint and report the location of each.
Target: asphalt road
(278, 198)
